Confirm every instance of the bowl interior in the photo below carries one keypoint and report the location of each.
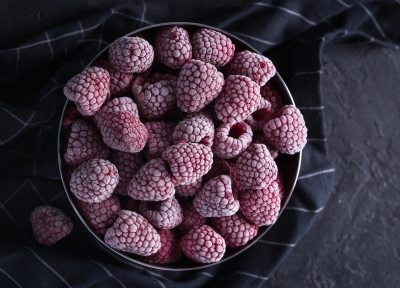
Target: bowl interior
(288, 164)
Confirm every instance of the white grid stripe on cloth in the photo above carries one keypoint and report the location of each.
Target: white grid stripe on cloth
(378, 27)
(11, 278)
(291, 12)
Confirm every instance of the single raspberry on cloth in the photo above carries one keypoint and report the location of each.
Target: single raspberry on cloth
(50, 224)
(94, 180)
(253, 65)
(212, 47)
(132, 233)
(199, 83)
(202, 244)
(191, 218)
(170, 250)
(195, 128)
(172, 46)
(166, 214)
(287, 132)
(88, 90)
(160, 137)
(131, 54)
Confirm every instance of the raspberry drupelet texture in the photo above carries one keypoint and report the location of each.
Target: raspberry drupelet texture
(88, 90)
(116, 105)
(165, 214)
(199, 83)
(154, 98)
(202, 244)
(231, 139)
(132, 233)
(94, 180)
(191, 218)
(152, 182)
(188, 161)
(131, 54)
(259, 138)
(50, 224)
(219, 167)
(262, 115)
(127, 164)
(84, 143)
(100, 215)
(253, 65)
(261, 206)
(236, 229)
(287, 132)
(189, 189)
(172, 47)
(255, 168)
(170, 250)
(239, 98)
(212, 47)
(215, 198)
(269, 93)
(160, 137)
(281, 185)
(195, 128)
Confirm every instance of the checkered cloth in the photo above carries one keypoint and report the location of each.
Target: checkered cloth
(32, 77)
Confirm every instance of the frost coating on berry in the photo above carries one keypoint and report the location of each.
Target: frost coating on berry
(202, 244)
(253, 65)
(262, 115)
(219, 167)
(94, 180)
(287, 132)
(172, 47)
(50, 224)
(261, 206)
(236, 229)
(127, 164)
(195, 128)
(160, 137)
(154, 99)
(215, 198)
(199, 83)
(84, 143)
(165, 214)
(255, 168)
(116, 105)
(152, 182)
(281, 185)
(188, 161)
(231, 139)
(269, 93)
(170, 250)
(132, 233)
(88, 89)
(131, 54)
(189, 189)
(259, 138)
(191, 218)
(239, 98)
(212, 47)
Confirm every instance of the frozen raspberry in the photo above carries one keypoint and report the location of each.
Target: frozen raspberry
(231, 139)
(287, 132)
(84, 143)
(116, 105)
(154, 99)
(199, 83)
(202, 244)
(215, 198)
(196, 128)
(259, 138)
(50, 224)
(191, 218)
(255, 167)
(70, 114)
(235, 229)
(253, 65)
(88, 89)
(172, 47)
(269, 93)
(212, 47)
(219, 167)
(100, 215)
(132, 233)
(131, 54)
(120, 82)
(262, 115)
(188, 161)
(189, 189)
(239, 98)
(170, 250)
(281, 185)
(165, 214)
(94, 180)
(261, 206)
(152, 182)
(160, 137)
(127, 164)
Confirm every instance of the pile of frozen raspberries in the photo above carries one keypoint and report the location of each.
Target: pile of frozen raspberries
(170, 144)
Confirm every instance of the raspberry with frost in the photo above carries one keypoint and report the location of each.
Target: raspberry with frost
(219, 167)
(259, 138)
(262, 115)
(195, 128)
(116, 105)
(191, 218)
(166, 214)
(160, 137)
(170, 250)
(188, 190)
(269, 93)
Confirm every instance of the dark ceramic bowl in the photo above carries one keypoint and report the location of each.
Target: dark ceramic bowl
(288, 164)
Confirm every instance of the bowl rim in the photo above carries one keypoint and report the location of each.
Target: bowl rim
(124, 256)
